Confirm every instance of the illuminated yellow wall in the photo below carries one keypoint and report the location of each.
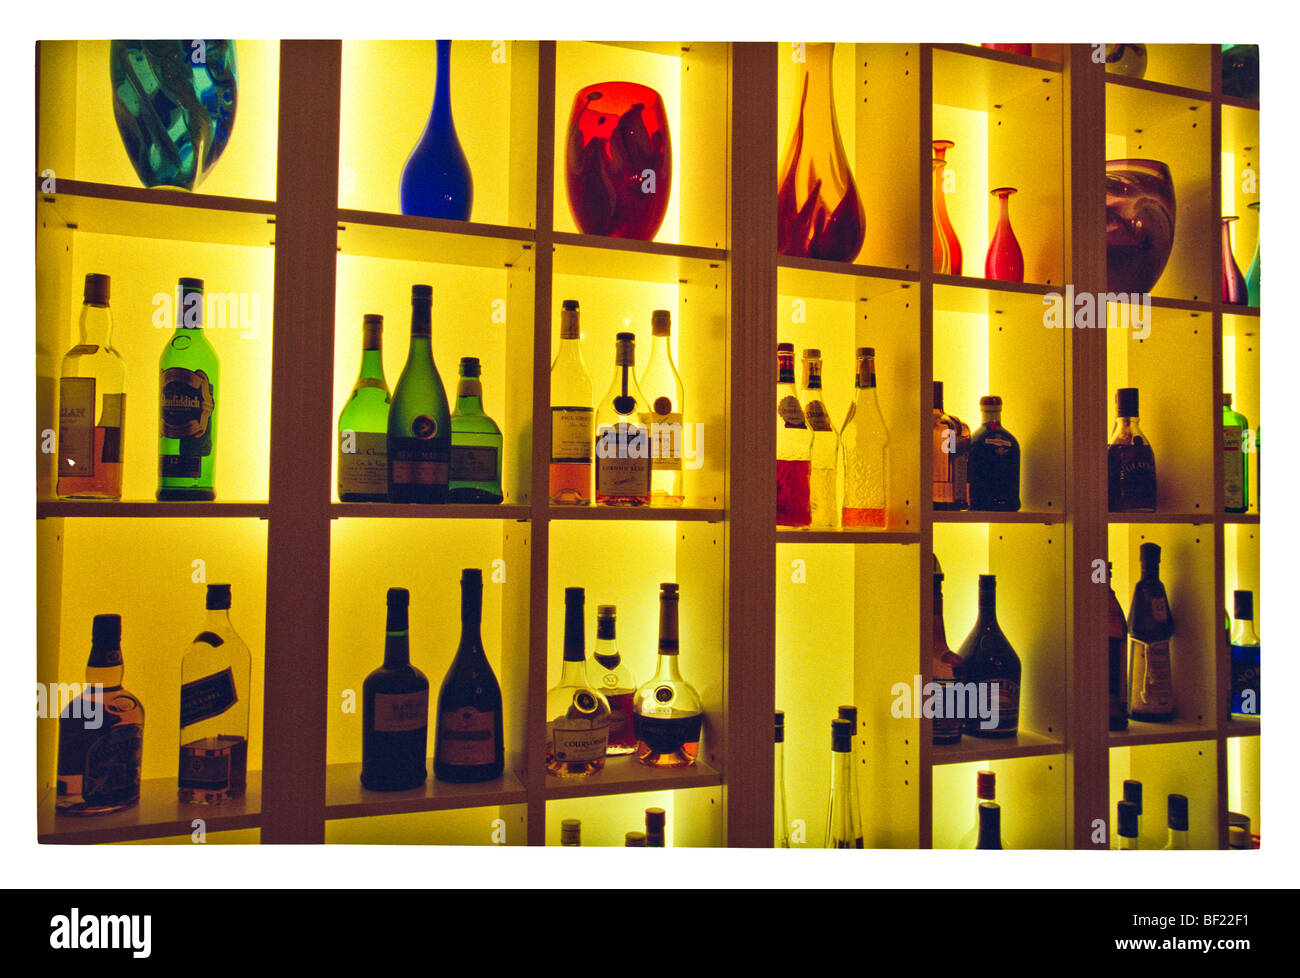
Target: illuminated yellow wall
(1031, 792)
(1165, 769)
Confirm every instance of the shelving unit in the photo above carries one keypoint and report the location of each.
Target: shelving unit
(803, 620)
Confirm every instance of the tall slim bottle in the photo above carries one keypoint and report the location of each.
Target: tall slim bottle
(622, 440)
(189, 395)
(667, 711)
(990, 826)
(1236, 462)
(1116, 659)
(1129, 459)
(419, 422)
(850, 713)
(572, 416)
(839, 812)
(475, 475)
(993, 470)
(216, 684)
(1151, 626)
(780, 815)
(363, 423)
(608, 672)
(395, 709)
(945, 727)
(986, 789)
(793, 446)
(1126, 817)
(989, 661)
(1133, 795)
(1244, 649)
(866, 449)
(951, 453)
(663, 415)
(469, 745)
(655, 822)
(1177, 808)
(92, 403)
(577, 716)
(823, 470)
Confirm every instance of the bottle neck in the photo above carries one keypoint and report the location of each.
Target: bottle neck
(606, 650)
(107, 675)
(217, 620)
(96, 326)
(372, 366)
(397, 646)
(990, 827)
(1243, 632)
(442, 84)
(1177, 839)
(573, 672)
(471, 616)
(991, 419)
(660, 349)
(1150, 573)
(469, 396)
(866, 376)
(988, 607)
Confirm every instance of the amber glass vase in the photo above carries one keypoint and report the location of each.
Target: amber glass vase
(819, 212)
(946, 247)
(1004, 262)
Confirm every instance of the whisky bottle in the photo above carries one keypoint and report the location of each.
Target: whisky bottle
(1177, 810)
(1130, 462)
(989, 661)
(395, 709)
(655, 819)
(216, 685)
(839, 812)
(951, 452)
(793, 446)
(1151, 626)
(419, 424)
(1116, 654)
(662, 414)
(475, 475)
(947, 721)
(985, 790)
(1236, 464)
(1244, 647)
(469, 745)
(850, 713)
(780, 817)
(622, 441)
(1127, 826)
(608, 673)
(577, 716)
(823, 475)
(667, 712)
(363, 423)
(990, 826)
(993, 470)
(866, 449)
(572, 426)
(92, 403)
(1133, 794)
(571, 832)
(188, 391)
(101, 733)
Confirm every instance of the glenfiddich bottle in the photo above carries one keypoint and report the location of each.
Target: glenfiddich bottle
(989, 661)
(823, 471)
(1236, 461)
(572, 426)
(793, 446)
(946, 724)
(475, 475)
(1151, 626)
(622, 440)
(667, 712)
(951, 452)
(395, 709)
(993, 470)
(189, 394)
(839, 811)
(363, 423)
(419, 424)
(1130, 462)
(609, 673)
(662, 414)
(1116, 655)
(101, 733)
(577, 716)
(469, 745)
(92, 404)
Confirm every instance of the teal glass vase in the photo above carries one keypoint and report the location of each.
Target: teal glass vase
(1252, 274)
(174, 102)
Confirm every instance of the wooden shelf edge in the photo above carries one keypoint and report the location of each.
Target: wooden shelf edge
(681, 514)
(980, 516)
(1155, 519)
(794, 535)
(380, 219)
(668, 250)
(1243, 727)
(62, 508)
(847, 268)
(971, 749)
(345, 798)
(444, 511)
(1158, 88)
(623, 776)
(1141, 734)
(147, 195)
(994, 285)
(1006, 57)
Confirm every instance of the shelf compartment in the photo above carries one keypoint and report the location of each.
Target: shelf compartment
(425, 239)
(1244, 779)
(1187, 768)
(693, 816)
(625, 775)
(638, 261)
(345, 798)
(1240, 174)
(1181, 68)
(1242, 366)
(1026, 743)
(1139, 734)
(1031, 791)
(1045, 57)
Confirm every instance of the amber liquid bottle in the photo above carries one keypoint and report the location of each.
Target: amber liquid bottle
(793, 446)
(1130, 462)
(1151, 626)
(951, 452)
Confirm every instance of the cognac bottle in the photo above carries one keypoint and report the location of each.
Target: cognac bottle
(993, 470)
(1130, 462)
(622, 440)
(667, 712)
(989, 661)
(609, 673)
(577, 716)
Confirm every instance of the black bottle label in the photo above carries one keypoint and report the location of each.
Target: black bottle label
(186, 403)
(208, 697)
(667, 735)
(112, 766)
(399, 712)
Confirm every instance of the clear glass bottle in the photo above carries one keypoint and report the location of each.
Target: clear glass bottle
(1236, 462)
(780, 815)
(92, 403)
(419, 422)
(475, 475)
(189, 398)
(622, 441)
(947, 722)
(1151, 626)
(571, 832)
(662, 414)
(577, 716)
(866, 449)
(1130, 461)
(216, 686)
(850, 713)
(609, 673)
(395, 709)
(993, 470)
(839, 811)
(572, 415)
(951, 453)
(988, 660)
(793, 446)
(470, 742)
(1244, 648)
(1177, 808)
(668, 714)
(363, 424)
(986, 785)
(990, 826)
(1126, 834)
(823, 474)
(655, 820)
(1116, 654)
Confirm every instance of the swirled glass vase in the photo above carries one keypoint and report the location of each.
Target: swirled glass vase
(174, 103)
(436, 180)
(945, 247)
(1140, 212)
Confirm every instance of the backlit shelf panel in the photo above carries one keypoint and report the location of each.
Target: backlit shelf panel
(345, 798)
(979, 516)
(625, 775)
(1006, 57)
(638, 261)
(683, 514)
(1155, 519)
(446, 511)
(977, 285)
(1026, 743)
(795, 535)
(148, 509)
(1162, 88)
(815, 278)
(1243, 727)
(1174, 732)
(376, 235)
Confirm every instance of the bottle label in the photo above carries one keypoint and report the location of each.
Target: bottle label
(180, 466)
(467, 737)
(573, 739)
(364, 470)
(416, 462)
(571, 434)
(206, 767)
(76, 427)
(666, 439)
(473, 463)
(112, 772)
(669, 734)
(400, 712)
(790, 411)
(1008, 700)
(818, 419)
(208, 697)
(186, 403)
(1152, 682)
(622, 460)
(1234, 468)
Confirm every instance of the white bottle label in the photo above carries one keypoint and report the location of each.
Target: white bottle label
(364, 470)
(571, 429)
(76, 427)
(574, 740)
(473, 463)
(666, 439)
(623, 460)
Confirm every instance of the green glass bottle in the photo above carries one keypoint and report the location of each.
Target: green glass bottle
(475, 443)
(1236, 462)
(419, 424)
(363, 424)
(188, 390)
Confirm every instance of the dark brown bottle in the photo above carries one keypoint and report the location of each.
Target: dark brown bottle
(993, 471)
(989, 661)
(1129, 459)
(951, 452)
(1151, 626)
(1116, 660)
(947, 722)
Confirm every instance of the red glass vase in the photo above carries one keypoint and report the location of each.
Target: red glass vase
(618, 160)
(1004, 262)
(946, 247)
(1234, 283)
(1025, 49)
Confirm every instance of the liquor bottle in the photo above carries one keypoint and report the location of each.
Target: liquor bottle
(780, 817)
(1116, 654)
(985, 790)
(577, 716)
(947, 721)
(989, 661)
(990, 826)
(216, 682)
(667, 712)
(1151, 625)
(1244, 644)
(793, 446)
(823, 475)
(993, 471)
(189, 389)
(419, 424)
(1127, 830)
(572, 425)
(1129, 459)
(1177, 808)
(661, 414)
(951, 454)
(571, 832)
(1133, 795)
(475, 473)
(469, 745)
(608, 673)
(622, 441)
(1236, 463)
(101, 733)
(395, 710)
(92, 403)
(363, 423)
(654, 827)
(866, 449)
(850, 713)
(634, 840)
(839, 812)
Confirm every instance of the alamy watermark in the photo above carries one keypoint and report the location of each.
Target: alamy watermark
(82, 701)
(212, 310)
(1087, 310)
(946, 700)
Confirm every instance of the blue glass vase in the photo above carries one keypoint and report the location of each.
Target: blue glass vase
(174, 102)
(1252, 275)
(436, 181)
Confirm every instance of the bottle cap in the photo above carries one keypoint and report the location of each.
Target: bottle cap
(668, 590)
(189, 310)
(654, 819)
(570, 305)
(1128, 820)
(398, 597)
(812, 353)
(866, 351)
(1149, 553)
(1238, 837)
(218, 598)
(191, 285)
(841, 736)
(607, 611)
(986, 785)
(1133, 793)
(635, 839)
(422, 294)
(1243, 605)
(96, 290)
(938, 394)
(661, 322)
(1178, 813)
(785, 348)
(988, 582)
(574, 596)
(471, 577)
(372, 319)
(1227, 399)
(849, 713)
(106, 630)
(990, 402)
(1126, 402)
